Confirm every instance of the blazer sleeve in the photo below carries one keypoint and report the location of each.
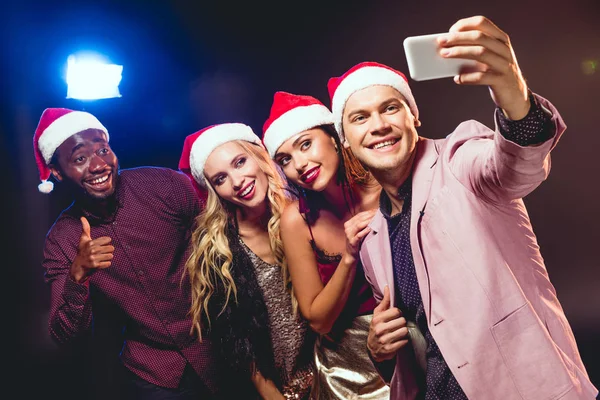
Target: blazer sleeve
(495, 168)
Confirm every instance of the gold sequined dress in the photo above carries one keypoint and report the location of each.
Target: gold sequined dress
(292, 339)
(344, 370)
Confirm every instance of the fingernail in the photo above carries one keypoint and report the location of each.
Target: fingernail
(444, 52)
(443, 39)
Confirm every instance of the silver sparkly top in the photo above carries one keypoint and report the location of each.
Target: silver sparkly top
(290, 336)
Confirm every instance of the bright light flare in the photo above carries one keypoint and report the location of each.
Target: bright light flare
(92, 79)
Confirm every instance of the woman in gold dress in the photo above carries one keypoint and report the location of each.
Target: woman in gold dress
(321, 234)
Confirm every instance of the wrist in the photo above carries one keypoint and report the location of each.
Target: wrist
(379, 357)
(272, 393)
(519, 109)
(372, 353)
(382, 357)
(348, 260)
(78, 274)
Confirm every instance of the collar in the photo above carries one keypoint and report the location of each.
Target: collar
(404, 193)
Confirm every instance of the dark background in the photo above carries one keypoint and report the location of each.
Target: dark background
(189, 64)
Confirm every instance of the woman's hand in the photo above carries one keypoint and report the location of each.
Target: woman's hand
(266, 388)
(356, 229)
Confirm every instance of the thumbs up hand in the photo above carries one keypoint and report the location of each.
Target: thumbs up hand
(92, 254)
(85, 232)
(387, 332)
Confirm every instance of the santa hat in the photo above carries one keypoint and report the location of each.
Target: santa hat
(57, 125)
(198, 146)
(290, 115)
(361, 76)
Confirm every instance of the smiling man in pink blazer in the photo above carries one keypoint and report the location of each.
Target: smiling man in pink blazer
(451, 249)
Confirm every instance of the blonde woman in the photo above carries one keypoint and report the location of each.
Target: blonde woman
(237, 268)
(321, 234)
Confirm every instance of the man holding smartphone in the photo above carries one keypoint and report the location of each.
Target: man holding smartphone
(451, 247)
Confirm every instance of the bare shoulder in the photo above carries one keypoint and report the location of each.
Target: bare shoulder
(291, 219)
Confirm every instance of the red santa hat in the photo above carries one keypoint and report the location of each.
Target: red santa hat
(290, 115)
(361, 76)
(55, 126)
(198, 146)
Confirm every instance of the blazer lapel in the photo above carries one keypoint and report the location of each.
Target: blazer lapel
(377, 246)
(422, 178)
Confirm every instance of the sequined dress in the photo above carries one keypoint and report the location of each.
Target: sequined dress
(292, 340)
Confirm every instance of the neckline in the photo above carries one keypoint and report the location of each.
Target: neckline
(249, 250)
(324, 255)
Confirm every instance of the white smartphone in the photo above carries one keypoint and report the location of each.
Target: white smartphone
(424, 61)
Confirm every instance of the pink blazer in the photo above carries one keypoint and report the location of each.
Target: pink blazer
(489, 303)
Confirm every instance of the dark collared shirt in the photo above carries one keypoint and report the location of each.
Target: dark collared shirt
(440, 383)
(150, 230)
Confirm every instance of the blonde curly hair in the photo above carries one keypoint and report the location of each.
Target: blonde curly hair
(210, 261)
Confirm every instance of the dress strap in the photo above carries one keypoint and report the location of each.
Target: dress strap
(309, 229)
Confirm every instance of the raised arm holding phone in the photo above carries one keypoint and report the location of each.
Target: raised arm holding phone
(451, 247)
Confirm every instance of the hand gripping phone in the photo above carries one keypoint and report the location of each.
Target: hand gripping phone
(425, 62)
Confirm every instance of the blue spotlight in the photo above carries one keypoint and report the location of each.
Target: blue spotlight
(92, 78)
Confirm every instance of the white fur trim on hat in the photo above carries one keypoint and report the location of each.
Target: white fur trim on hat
(212, 138)
(294, 121)
(363, 78)
(63, 128)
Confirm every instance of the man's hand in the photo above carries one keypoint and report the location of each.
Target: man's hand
(92, 254)
(388, 332)
(478, 38)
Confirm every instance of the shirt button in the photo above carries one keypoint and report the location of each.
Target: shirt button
(141, 273)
